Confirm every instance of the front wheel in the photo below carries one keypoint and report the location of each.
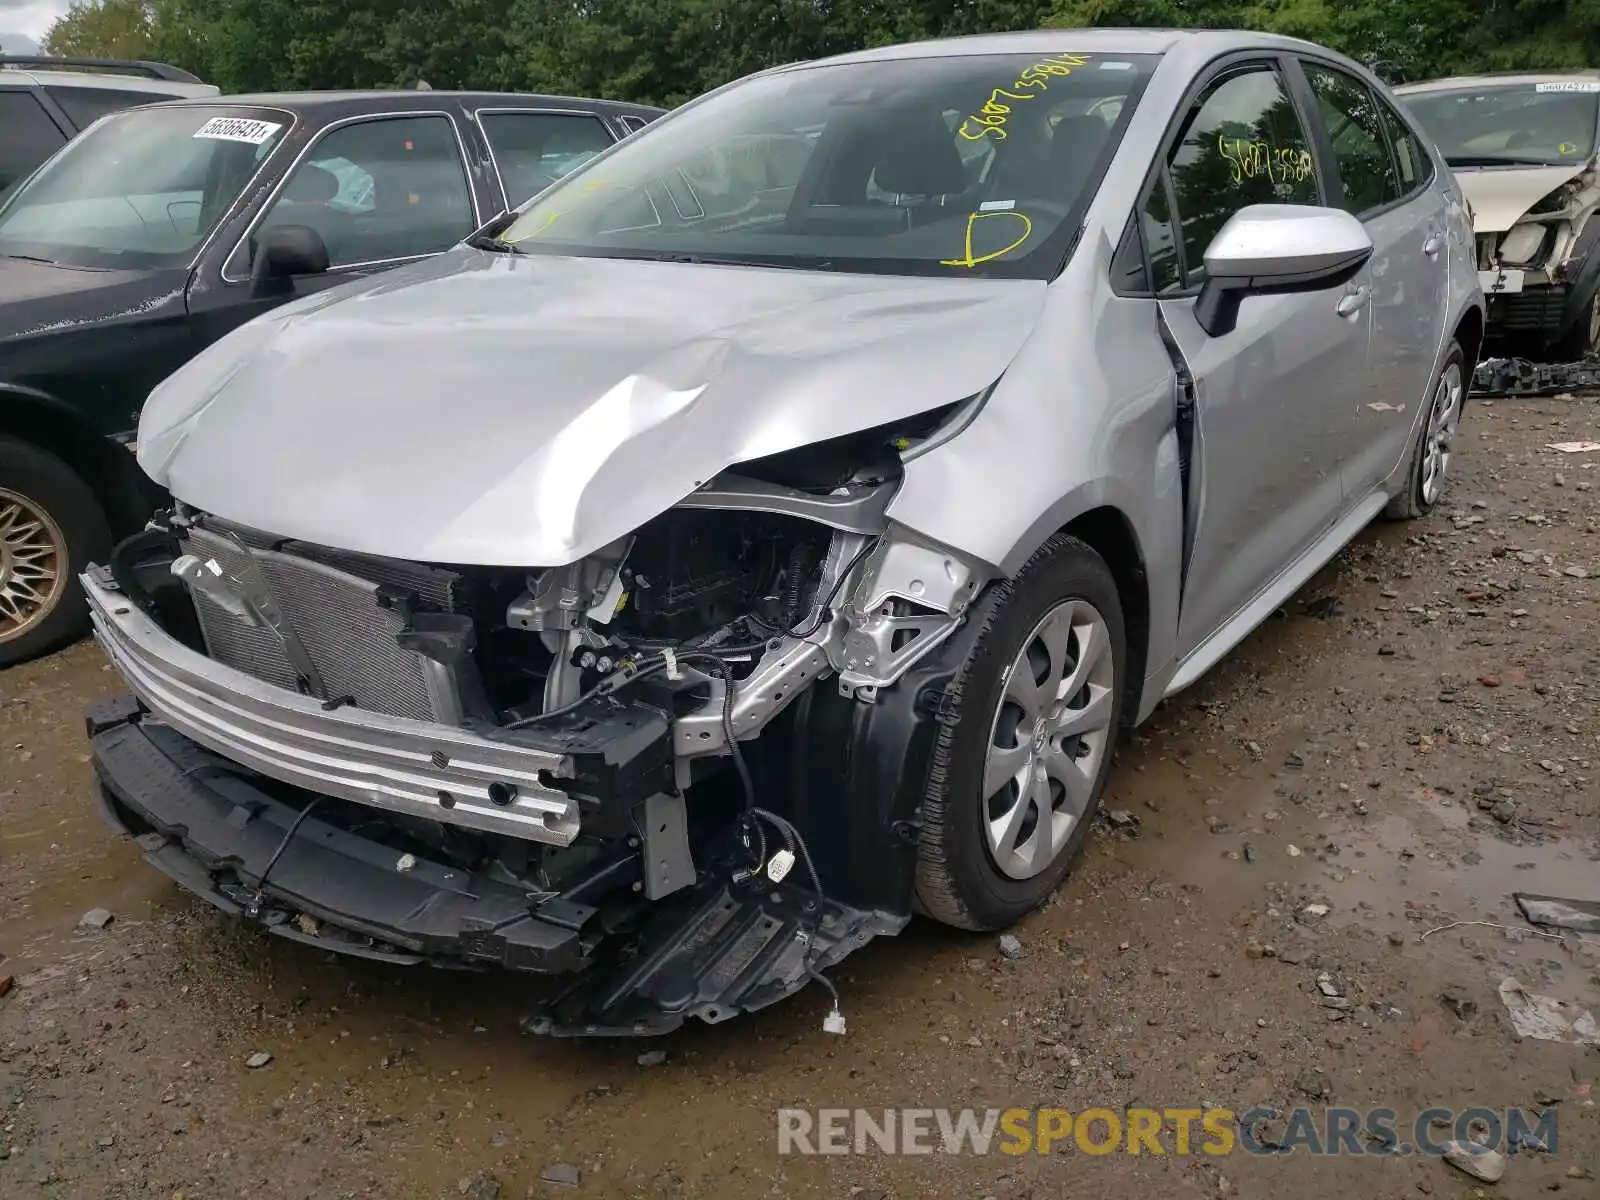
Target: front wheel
(1015, 781)
(1583, 339)
(1434, 449)
(51, 527)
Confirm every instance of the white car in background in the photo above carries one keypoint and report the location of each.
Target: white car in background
(1523, 149)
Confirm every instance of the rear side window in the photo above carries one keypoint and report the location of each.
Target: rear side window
(1242, 144)
(1350, 112)
(533, 150)
(1412, 161)
(84, 106)
(27, 136)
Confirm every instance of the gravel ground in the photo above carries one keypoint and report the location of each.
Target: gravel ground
(1411, 740)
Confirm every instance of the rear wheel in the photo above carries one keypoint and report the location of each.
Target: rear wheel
(51, 526)
(1015, 782)
(1434, 449)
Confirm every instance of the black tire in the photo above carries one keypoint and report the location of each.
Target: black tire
(1579, 342)
(49, 486)
(1411, 503)
(957, 881)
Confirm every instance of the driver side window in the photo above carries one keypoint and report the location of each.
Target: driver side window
(1242, 144)
(378, 190)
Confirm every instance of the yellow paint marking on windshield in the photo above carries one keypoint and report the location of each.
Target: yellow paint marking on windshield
(1567, 148)
(990, 117)
(1249, 159)
(971, 260)
(587, 188)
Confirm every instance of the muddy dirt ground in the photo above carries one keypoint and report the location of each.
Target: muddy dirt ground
(1415, 737)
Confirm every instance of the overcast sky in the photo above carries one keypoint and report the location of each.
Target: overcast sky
(31, 17)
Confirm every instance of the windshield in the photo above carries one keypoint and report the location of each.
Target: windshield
(140, 189)
(1536, 123)
(948, 166)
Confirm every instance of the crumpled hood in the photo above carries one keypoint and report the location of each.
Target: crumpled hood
(1499, 195)
(508, 410)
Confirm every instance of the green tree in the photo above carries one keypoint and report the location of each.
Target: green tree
(665, 51)
(102, 28)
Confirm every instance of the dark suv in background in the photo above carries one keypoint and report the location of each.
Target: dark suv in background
(45, 102)
(164, 227)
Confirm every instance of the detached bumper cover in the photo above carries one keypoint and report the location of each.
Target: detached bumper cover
(442, 773)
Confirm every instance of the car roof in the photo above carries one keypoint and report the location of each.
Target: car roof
(1077, 41)
(164, 88)
(1498, 77)
(335, 104)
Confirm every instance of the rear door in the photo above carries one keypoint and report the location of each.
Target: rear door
(1386, 180)
(1269, 396)
(533, 148)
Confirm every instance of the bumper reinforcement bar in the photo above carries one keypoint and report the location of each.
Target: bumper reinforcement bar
(441, 773)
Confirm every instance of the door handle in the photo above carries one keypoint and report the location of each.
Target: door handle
(1433, 245)
(1354, 301)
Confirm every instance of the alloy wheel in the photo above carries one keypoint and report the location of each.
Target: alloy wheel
(1050, 735)
(1443, 418)
(33, 558)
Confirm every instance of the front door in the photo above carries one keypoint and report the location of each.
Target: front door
(1385, 179)
(380, 190)
(1270, 395)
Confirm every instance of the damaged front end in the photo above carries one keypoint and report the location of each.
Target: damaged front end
(1539, 262)
(683, 770)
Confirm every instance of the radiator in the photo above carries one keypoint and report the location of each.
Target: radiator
(347, 635)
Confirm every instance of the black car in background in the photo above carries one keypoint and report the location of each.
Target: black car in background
(164, 227)
(45, 101)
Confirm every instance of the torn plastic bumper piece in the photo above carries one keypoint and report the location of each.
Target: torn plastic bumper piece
(713, 953)
(210, 825)
(1521, 377)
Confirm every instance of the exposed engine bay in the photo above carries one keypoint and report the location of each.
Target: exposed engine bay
(660, 776)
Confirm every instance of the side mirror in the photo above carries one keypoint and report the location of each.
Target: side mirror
(1269, 249)
(280, 252)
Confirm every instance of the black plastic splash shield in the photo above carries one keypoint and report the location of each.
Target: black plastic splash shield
(713, 953)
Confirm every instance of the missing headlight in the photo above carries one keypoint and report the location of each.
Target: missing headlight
(1524, 244)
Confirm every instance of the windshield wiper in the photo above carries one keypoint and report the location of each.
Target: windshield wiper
(494, 245)
(726, 260)
(49, 262)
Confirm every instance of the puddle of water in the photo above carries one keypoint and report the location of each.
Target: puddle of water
(1431, 854)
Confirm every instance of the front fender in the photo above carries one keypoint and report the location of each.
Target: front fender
(104, 462)
(1083, 419)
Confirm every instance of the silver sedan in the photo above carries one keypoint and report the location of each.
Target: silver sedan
(763, 533)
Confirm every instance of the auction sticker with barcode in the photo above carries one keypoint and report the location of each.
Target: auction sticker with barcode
(238, 129)
(1569, 85)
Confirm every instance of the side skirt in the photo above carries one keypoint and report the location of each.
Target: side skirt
(1212, 650)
